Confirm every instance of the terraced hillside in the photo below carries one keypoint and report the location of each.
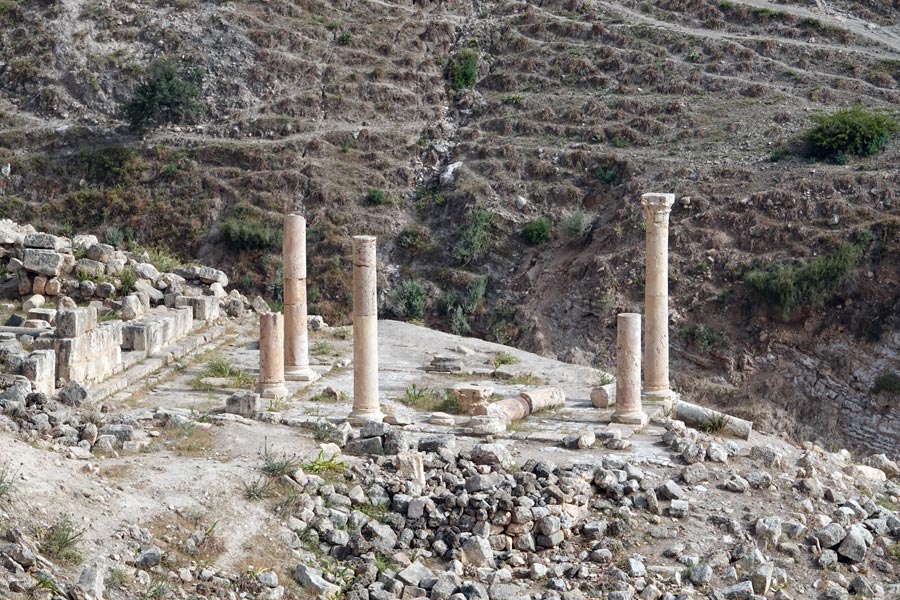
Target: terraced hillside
(576, 108)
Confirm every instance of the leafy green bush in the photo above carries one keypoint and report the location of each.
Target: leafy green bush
(376, 196)
(852, 131)
(788, 288)
(537, 232)
(170, 94)
(111, 165)
(474, 238)
(251, 233)
(344, 38)
(414, 239)
(606, 174)
(462, 72)
(409, 301)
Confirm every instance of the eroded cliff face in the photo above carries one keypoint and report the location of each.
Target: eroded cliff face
(577, 109)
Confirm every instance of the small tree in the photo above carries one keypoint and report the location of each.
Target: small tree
(852, 131)
(410, 299)
(170, 94)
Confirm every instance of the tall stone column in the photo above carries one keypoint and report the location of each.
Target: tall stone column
(366, 406)
(656, 299)
(296, 334)
(271, 356)
(628, 371)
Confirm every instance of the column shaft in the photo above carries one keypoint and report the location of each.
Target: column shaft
(271, 356)
(366, 406)
(296, 334)
(628, 370)
(656, 297)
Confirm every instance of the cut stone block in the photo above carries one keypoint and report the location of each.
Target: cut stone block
(74, 322)
(206, 308)
(40, 369)
(43, 262)
(244, 403)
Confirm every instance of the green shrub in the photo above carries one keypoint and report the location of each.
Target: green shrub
(474, 238)
(606, 174)
(251, 233)
(344, 38)
(787, 288)
(513, 100)
(410, 299)
(128, 278)
(6, 6)
(110, 166)
(170, 94)
(414, 239)
(462, 72)
(376, 196)
(850, 132)
(575, 224)
(889, 382)
(537, 232)
(702, 336)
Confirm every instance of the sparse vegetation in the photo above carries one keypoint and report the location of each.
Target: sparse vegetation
(575, 224)
(702, 336)
(169, 94)
(853, 131)
(276, 465)
(325, 465)
(789, 288)
(249, 232)
(714, 424)
(537, 232)
(60, 540)
(7, 480)
(503, 358)
(258, 489)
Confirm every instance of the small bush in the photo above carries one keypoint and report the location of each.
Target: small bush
(410, 299)
(702, 336)
(513, 100)
(170, 94)
(606, 174)
(850, 132)
(462, 72)
(414, 239)
(503, 358)
(788, 288)
(112, 165)
(778, 154)
(474, 238)
(537, 232)
(889, 382)
(575, 224)
(376, 196)
(344, 38)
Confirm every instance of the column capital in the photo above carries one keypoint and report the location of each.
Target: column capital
(657, 207)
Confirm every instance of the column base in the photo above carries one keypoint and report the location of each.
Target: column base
(634, 418)
(272, 391)
(358, 418)
(300, 374)
(665, 399)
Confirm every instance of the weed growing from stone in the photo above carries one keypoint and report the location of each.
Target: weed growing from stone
(322, 465)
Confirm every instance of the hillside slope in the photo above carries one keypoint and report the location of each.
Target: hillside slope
(578, 108)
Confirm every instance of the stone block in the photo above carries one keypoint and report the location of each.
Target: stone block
(46, 241)
(244, 403)
(603, 396)
(206, 308)
(43, 262)
(74, 322)
(101, 253)
(39, 284)
(43, 314)
(143, 336)
(544, 398)
(33, 302)
(53, 287)
(92, 268)
(143, 286)
(40, 369)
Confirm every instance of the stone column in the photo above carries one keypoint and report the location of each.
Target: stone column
(366, 406)
(296, 334)
(271, 356)
(656, 299)
(628, 371)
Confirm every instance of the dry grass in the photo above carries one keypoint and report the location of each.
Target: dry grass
(175, 528)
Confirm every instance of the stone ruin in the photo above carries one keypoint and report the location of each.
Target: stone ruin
(58, 344)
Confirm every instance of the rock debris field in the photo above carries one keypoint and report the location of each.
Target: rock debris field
(155, 492)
